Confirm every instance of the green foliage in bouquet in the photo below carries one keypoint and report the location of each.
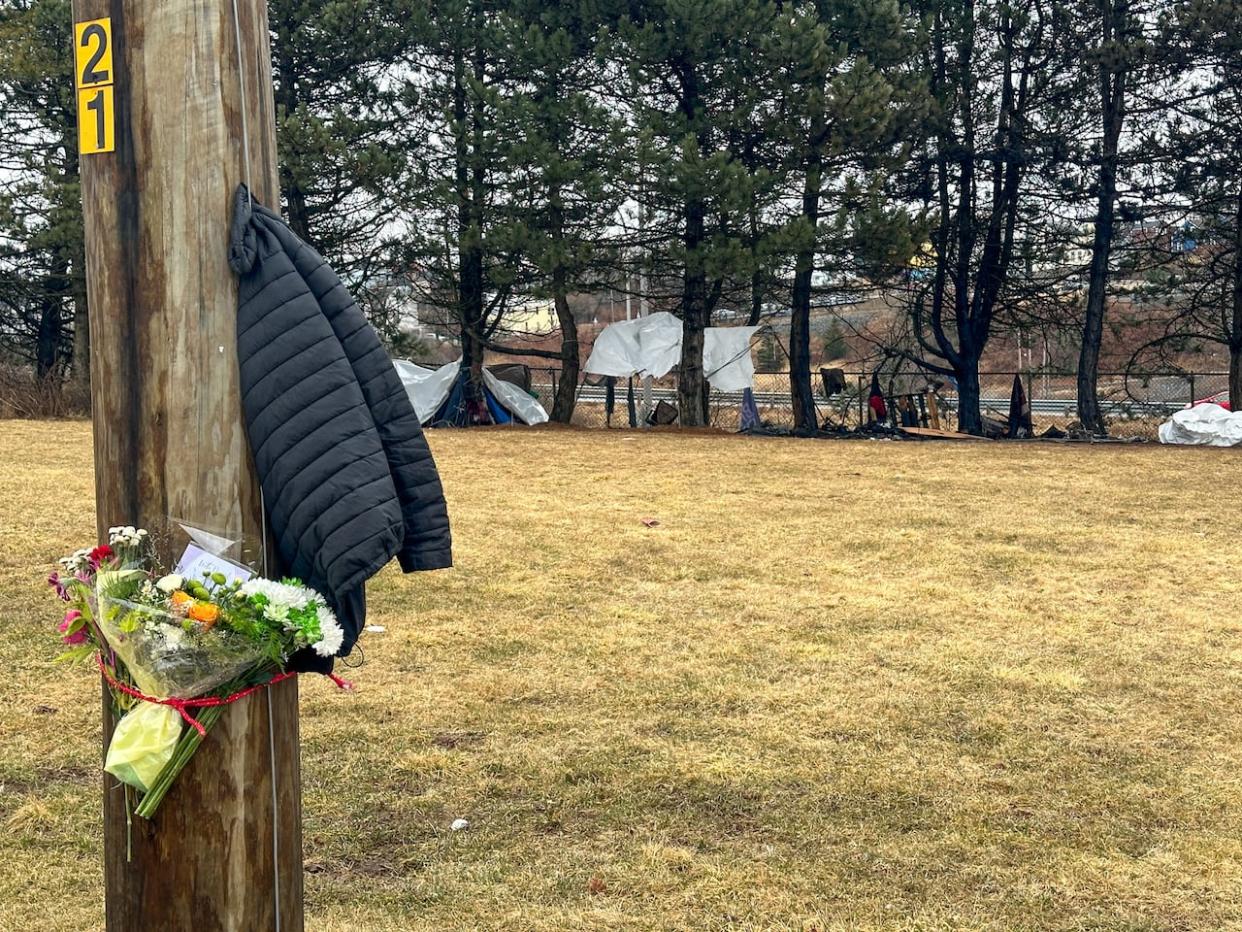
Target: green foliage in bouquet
(172, 642)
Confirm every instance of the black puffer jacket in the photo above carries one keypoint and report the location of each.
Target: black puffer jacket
(347, 477)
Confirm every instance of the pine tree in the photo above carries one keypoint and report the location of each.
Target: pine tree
(693, 78)
(563, 142)
(43, 312)
(850, 104)
(997, 78)
(340, 153)
(1198, 147)
(463, 244)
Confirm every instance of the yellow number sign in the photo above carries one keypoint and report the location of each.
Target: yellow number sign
(92, 45)
(96, 122)
(93, 75)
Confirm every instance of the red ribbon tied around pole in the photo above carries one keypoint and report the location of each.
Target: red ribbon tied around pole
(182, 705)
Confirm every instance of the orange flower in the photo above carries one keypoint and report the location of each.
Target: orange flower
(180, 598)
(205, 612)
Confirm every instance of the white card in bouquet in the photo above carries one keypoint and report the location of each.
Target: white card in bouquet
(196, 561)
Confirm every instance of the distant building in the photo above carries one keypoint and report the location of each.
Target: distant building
(531, 318)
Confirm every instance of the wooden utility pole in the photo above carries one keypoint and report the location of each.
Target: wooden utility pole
(165, 88)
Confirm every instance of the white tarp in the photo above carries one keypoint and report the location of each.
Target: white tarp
(651, 345)
(648, 345)
(1203, 425)
(616, 350)
(517, 402)
(726, 358)
(659, 343)
(429, 388)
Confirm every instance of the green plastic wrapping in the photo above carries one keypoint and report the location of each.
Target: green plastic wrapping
(142, 743)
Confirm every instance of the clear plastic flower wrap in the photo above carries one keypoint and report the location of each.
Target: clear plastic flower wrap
(177, 647)
(171, 657)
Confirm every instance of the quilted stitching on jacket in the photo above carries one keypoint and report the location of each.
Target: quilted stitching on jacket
(348, 479)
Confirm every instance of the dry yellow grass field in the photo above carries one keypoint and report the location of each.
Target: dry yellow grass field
(842, 685)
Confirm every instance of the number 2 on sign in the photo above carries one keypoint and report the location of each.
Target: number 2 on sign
(92, 45)
(94, 79)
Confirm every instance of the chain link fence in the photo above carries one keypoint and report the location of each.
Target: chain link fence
(1134, 404)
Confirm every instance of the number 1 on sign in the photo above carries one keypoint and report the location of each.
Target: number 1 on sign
(96, 120)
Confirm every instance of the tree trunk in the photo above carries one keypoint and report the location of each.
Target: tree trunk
(47, 341)
(802, 394)
(81, 365)
(691, 379)
(296, 213)
(757, 273)
(1235, 366)
(567, 388)
(1235, 322)
(1112, 112)
(224, 852)
(756, 298)
(969, 416)
(800, 387)
(470, 296)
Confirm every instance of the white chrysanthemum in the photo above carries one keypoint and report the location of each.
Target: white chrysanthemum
(127, 536)
(332, 633)
(278, 593)
(174, 637)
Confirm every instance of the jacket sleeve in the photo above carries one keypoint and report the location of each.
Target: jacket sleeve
(428, 541)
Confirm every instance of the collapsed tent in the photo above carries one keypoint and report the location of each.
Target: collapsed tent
(442, 397)
(651, 346)
(1207, 425)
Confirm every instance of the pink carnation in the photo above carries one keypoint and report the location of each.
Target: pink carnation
(70, 617)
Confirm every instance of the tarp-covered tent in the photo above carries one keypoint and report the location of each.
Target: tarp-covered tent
(1207, 425)
(440, 397)
(651, 345)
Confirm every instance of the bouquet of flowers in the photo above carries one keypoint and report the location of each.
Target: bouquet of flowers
(169, 643)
